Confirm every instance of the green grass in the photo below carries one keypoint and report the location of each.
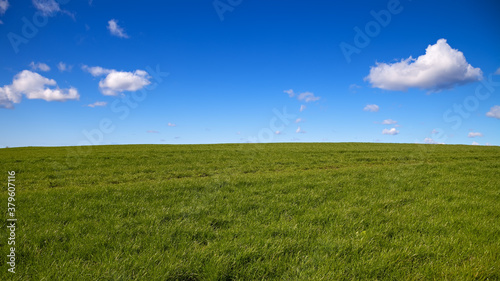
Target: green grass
(254, 212)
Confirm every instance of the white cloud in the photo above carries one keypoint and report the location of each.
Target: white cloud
(302, 107)
(494, 112)
(475, 143)
(39, 66)
(290, 93)
(300, 131)
(98, 103)
(307, 97)
(64, 67)
(34, 86)
(391, 131)
(371, 108)
(278, 132)
(116, 30)
(171, 124)
(4, 5)
(474, 134)
(498, 71)
(298, 120)
(117, 82)
(96, 70)
(440, 68)
(431, 141)
(152, 132)
(389, 122)
(47, 7)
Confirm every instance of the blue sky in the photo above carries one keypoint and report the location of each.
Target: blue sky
(182, 72)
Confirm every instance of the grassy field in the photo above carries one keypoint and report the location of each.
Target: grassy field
(344, 211)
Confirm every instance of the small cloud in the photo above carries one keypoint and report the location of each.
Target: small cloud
(96, 70)
(171, 124)
(4, 5)
(278, 133)
(302, 107)
(434, 131)
(152, 132)
(117, 82)
(290, 93)
(440, 68)
(300, 131)
(389, 122)
(298, 120)
(474, 134)
(116, 30)
(39, 66)
(391, 131)
(497, 72)
(475, 143)
(238, 133)
(494, 112)
(354, 87)
(47, 7)
(50, 8)
(371, 108)
(97, 103)
(64, 67)
(307, 97)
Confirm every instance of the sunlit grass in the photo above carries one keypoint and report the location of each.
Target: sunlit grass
(255, 211)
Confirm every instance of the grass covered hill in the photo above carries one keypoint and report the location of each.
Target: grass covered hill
(308, 211)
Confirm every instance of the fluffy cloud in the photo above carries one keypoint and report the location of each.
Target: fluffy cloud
(494, 112)
(39, 66)
(96, 70)
(171, 124)
(391, 131)
(475, 143)
(474, 134)
(300, 131)
(34, 86)
(47, 7)
(64, 67)
(389, 122)
(440, 68)
(117, 82)
(97, 103)
(306, 96)
(116, 30)
(4, 5)
(278, 133)
(371, 108)
(298, 120)
(302, 107)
